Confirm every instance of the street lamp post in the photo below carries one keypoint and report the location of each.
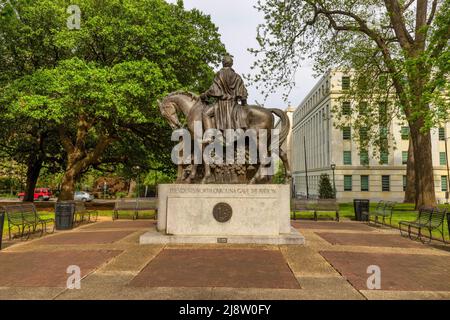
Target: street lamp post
(448, 169)
(306, 168)
(333, 167)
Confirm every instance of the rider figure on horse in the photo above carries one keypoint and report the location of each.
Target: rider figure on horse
(229, 89)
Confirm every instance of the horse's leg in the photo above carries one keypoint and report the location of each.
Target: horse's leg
(284, 158)
(180, 174)
(209, 124)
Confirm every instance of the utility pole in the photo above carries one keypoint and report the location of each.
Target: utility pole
(306, 168)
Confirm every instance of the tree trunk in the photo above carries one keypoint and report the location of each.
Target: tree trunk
(132, 188)
(75, 166)
(33, 170)
(68, 185)
(423, 164)
(410, 192)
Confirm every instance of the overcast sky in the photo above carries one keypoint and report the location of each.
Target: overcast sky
(237, 21)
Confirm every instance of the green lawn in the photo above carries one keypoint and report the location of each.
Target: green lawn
(106, 213)
(402, 212)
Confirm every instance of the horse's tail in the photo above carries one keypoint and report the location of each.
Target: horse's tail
(285, 124)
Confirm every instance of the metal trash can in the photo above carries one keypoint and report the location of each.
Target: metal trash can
(2, 223)
(360, 206)
(64, 214)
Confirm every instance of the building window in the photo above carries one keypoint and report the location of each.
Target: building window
(364, 183)
(405, 183)
(345, 83)
(348, 183)
(348, 158)
(384, 133)
(405, 133)
(385, 183)
(444, 184)
(384, 157)
(347, 133)
(364, 158)
(442, 158)
(441, 134)
(363, 134)
(404, 157)
(346, 108)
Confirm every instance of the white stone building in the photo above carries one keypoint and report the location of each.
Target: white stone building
(357, 174)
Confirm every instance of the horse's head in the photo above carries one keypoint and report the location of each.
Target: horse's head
(169, 111)
(177, 102)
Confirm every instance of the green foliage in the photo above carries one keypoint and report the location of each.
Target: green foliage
(325, 188)
(358, 38)
(105, 77)
(279, 176)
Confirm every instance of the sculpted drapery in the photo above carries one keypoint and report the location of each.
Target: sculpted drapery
(228, 87)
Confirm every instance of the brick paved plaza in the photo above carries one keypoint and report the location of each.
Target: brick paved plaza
(332, 265)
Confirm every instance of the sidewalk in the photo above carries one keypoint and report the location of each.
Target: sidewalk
(332, 265)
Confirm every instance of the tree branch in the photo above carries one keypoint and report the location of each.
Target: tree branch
(398, 23)
(432, 12)
(65, 140)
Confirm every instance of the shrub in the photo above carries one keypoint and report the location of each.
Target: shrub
(325, 188)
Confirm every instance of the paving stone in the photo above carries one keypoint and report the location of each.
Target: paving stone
(369, 240)
(330, 287)
(47, 269)
(405, 295)
(79, 238)
(399, 272)
(22, 293)
(307, 262)
(331, 225)
(131, 224)
(107, 292)
(134, 259)
(217, 268)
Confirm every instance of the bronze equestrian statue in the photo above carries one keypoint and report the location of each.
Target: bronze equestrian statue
(230, 111)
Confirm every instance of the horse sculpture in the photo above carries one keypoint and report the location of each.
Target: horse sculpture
(191, 106)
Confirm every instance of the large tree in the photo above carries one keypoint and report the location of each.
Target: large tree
(98, 85)
(400, 44)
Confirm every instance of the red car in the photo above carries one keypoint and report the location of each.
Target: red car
(40, 194)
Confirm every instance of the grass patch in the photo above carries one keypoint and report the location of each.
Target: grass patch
(106, 213)
(402, 212)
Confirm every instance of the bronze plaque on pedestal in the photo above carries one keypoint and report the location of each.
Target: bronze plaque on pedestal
(222, 212)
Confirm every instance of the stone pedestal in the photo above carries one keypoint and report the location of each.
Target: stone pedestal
(223, 214)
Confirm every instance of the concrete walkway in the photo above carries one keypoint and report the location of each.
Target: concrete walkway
(332, 265)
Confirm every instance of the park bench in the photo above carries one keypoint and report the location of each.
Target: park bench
(302, 204)
(81, 213)
(383, 210)
(132, 207)
(327, 205)
(2, 221)
(25, 217)
(315, 206)
(430, 219)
